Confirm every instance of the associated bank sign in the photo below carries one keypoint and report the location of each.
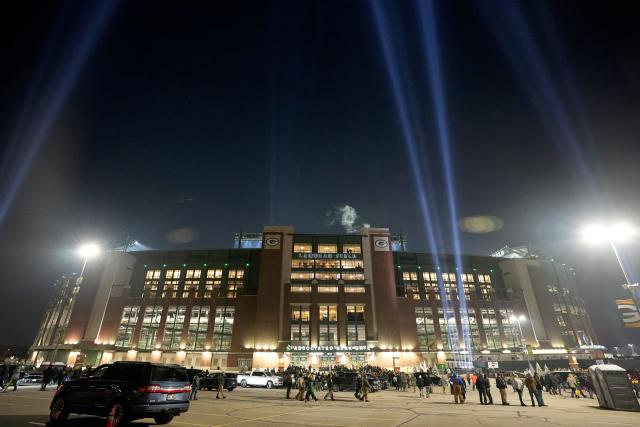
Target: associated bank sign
(328, 348)
(306, 255)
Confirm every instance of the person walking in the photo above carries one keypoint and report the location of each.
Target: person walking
(364, 393)
(501, 384)
(487, 388)
(288, 383)
(463, 390)
(195, 385)
(444, 382)
(635, 381)
(572, 382)
(539, 398)
(358, 386)
(220, 386)
(329, 386)
(13, 380)
(426, 378)
(300, 385)
(310, 384)
(474, 378)
(518, 387)
(482, 392)
(457, 391)
(420, 385)
(47, 374)
(530, 383)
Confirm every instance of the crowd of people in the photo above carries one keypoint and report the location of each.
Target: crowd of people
(528, 386)
(10, 375)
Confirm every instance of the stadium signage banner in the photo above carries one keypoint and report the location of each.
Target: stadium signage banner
(630, 313)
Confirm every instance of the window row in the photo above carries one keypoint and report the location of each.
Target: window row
(333, 264)
(176, 326)
(432, 276)
(318, 275)
(489, 321)
(328, 324)
(327, 248)
(327, 289)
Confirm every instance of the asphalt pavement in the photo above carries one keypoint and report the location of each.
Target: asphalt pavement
(260, 407)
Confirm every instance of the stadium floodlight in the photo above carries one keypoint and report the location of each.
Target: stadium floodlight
(86, 251)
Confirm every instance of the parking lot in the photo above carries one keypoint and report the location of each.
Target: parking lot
(260, 407)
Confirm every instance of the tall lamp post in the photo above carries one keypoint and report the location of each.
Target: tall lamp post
(632, 352)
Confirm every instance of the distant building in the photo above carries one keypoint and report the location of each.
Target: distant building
(281, 298)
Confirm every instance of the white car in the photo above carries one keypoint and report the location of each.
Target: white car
(259, 379)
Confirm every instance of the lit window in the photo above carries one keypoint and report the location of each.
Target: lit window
(351, 264)
(127, 326)
(300, 275)
(302, 263)
(426, 328)
(302, 247)
(300, 313)
(327, 289)
(235, 282)
(351, 248)
(171, 282)
(212, 282)
(327, 248)
(327, 276)
(151, 282)
(150, 326)
(356, 327)
(173, 327)
(328, 263)
(354, 289)
(198, 325)
(353, 276)
(301, 289)
(223, 328)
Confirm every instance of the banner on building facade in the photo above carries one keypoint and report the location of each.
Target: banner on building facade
(630, 313)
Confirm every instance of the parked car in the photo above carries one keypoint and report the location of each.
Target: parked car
(33, 377)
(259, 379)
(346, 381)
(434, 378)
(210, 382)
(127, 390)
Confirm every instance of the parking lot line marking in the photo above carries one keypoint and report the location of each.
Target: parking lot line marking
(190, 424)
(248, 420)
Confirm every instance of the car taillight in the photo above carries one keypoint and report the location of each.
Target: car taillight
(157, 388)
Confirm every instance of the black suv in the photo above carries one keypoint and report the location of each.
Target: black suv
(126, 390)
(210, 382)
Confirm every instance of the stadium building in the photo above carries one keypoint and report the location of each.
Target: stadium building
(279, 298)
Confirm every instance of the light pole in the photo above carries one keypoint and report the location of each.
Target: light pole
(519, 319)
(617, 351)
(632, 352)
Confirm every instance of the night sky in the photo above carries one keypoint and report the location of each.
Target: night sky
(145, 117)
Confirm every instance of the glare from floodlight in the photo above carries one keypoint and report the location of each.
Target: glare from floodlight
(621, 232)
(598, 233)
(594, 233)
(89, 250)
